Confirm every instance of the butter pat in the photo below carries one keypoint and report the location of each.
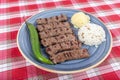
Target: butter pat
(80, 19)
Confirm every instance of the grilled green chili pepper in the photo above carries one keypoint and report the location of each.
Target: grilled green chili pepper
(36, 44)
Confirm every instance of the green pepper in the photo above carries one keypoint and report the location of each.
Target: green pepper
(36, 44)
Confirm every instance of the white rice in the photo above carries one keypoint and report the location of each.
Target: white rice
(91, 34)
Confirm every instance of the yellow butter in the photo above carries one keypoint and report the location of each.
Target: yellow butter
(80, 19)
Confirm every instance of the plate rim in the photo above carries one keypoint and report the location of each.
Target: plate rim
(58, 71)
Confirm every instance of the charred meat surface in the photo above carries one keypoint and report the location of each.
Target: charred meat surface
(67, 45)
(54, 32)
(59, 18)
(70, 55)
(53, 25)
(58, 39)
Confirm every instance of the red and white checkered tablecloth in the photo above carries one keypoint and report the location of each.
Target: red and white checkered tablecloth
(14, 67)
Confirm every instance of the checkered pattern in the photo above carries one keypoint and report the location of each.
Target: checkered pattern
(14, 67)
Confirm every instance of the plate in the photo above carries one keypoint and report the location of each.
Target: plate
(97, 55)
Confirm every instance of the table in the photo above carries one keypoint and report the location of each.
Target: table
(14, 67)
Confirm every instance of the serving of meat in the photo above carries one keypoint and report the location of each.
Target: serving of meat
(67, 45)
(59, 40)
(70, 55)
(52, 25)
(54, 32)
(59, 18)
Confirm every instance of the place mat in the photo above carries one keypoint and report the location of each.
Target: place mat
(14, 67)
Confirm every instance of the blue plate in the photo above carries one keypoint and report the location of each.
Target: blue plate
(97, 55)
